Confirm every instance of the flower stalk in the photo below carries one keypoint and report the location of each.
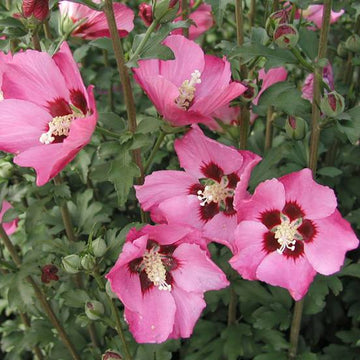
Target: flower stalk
(40, 296)
(185, 15)
(313, 155)
(269, 128)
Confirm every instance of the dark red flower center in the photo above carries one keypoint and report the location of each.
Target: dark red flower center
(48, 273)
(155, 266)
(288, 230)
(215, 192)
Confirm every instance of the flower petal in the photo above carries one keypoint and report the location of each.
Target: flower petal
(317, 201)
(9, 227)
(326, 253)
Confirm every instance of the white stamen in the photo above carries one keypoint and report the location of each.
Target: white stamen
(155, 269)
(59, 126)
(216, 192)
(1, 95)
(286, 233)
(187, 91)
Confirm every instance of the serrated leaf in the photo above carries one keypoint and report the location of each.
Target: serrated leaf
(219, 7)
(309, 41)
(75, 298)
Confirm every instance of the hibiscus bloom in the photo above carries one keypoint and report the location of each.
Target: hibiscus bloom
(314, 13)
(95, 25)
(190, 88)
(47, 115)
(203, 195)
(38, 8)
(9, 227)
(289, 230)
(161, 276)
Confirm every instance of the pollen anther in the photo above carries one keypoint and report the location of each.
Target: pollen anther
(59, 126)
(215, 192)
(187, 91)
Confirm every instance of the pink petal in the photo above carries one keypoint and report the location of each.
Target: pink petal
(221, 229)
(203, 20)
(248, 248)
(188, 58)
(196, 272)
(153, 322)
(9, 227)
(196, 150)
(188, 310)
(271, 77)
(314, 13)
(269, 195)
(162, 185)
(34, 76)
(295, 275)
(317, 201)
(326, 253)
(21, 125)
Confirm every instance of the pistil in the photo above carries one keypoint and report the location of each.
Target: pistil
(59, 126)
(215, 192)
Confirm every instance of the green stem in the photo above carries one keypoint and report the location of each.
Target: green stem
(252, 13)
(107, 132)
(110, 88)
(196, 5)
(156, 147)
(47, 31)
(124, 78)
(36, 41)
(145, 39)
(313, 154)
(115, 312)
(232, 307)
(40, 296)
(301, 60)
(275, 5)
(269, 128)
(185, 15)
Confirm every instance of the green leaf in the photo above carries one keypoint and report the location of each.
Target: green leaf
(329, 171)
(102, 43)
(351, 128)
(10, 215)
(219, 7)
(75, 298)
(112, 121)
(309, 41)
(88, 3)
(271, 356)
(80, 52)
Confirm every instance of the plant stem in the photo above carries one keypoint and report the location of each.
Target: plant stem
(124, 78)
(65, 214)
(252, 12)
(301, 60)
(185, 15)
(36, 41)
(276, 5)
(232, 307)
(156, 147)
(47, 31)
(313, 154)
(40, 296)
(269, 128)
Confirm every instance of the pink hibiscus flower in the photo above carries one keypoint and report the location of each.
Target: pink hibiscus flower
(47, 115)
(38, 8)
(96, 25)
(9, 227)
(289, 230)
(161, 276)
(203, 195)
(314, 13)
(190, 88)
(307, 89)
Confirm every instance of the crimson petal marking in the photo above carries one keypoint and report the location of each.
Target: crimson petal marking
(212, 171)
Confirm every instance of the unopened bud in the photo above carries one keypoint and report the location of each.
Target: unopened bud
(99, 247)
(332, 104)
(38, 8)
(71, 263)
(6, 169)
(146, 14)
(286, 36)
(88, 262)
(251, 90)
(353, 43)
(109, 290)
(341, 50)
(274, 20)
(111, 355)
(94, 309)
(295, 128)
(48, 273)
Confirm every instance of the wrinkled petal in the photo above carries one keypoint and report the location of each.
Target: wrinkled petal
(295, 275)
(21, 125)
(196, 272)
(188, 310)
(300, 187)
(269, 195)
(248, 248)
(326, 252)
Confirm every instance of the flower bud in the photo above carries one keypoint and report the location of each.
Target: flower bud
(111, 355)
(48, 273)
(71, 263)
(146, 14)
(274, 20)
(353, 43)
(38, 8)
(332, 104)
(94, 309)
(88, 262)
(5, 169)
(99, 247)
(109, 290)
(250, 92)
(286, 36)
(295, 127)
(341, 50)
